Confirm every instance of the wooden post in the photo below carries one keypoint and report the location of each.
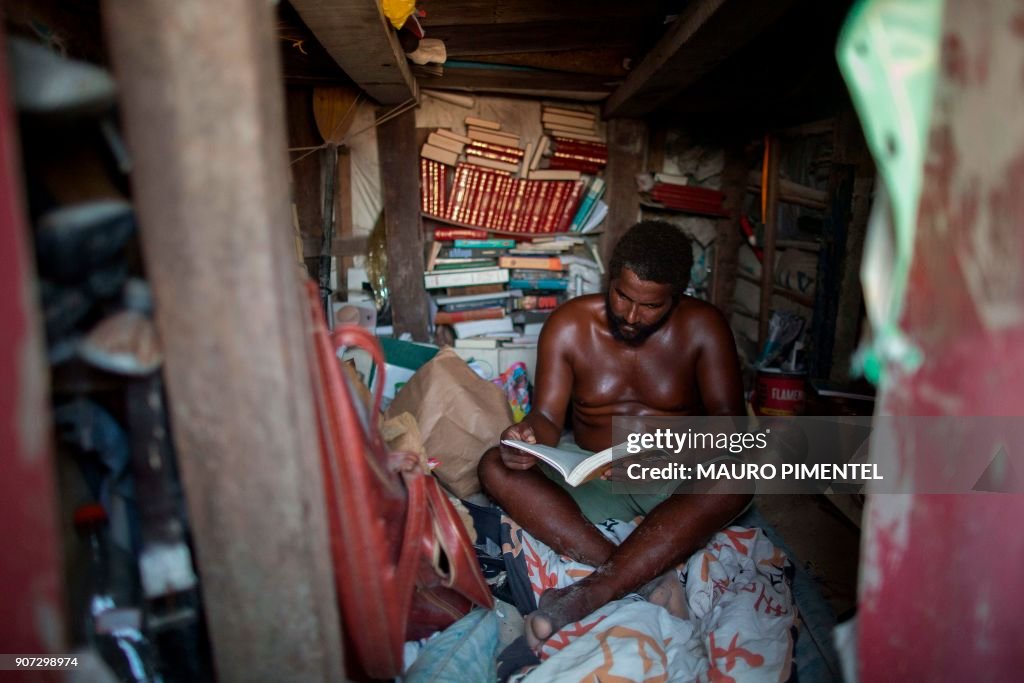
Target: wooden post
(202, 104)
(729, 238)
(850, 147)
(399, 172)
(343, 218)
(32, 600)
(770, 230)
(626, 143)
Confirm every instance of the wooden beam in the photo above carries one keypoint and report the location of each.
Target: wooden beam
(607, 62)
(497, 39)
(363, 43)
(399, 172)
(525, 82)
(849, 147)
(303, 59)
(704, 34)
(626, 157)
(729, 237)
(202, 108)
(477, 12)
(342, 247)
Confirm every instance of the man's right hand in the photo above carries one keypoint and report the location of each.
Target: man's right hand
(514, 458)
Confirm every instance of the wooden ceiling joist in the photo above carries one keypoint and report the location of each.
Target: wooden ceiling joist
(358, 37)
(523, 83)
(479, 12)
(550, 36)
(704, 34)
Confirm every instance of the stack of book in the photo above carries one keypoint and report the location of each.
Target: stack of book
(674, 192)
(488, 178)
(497, 292)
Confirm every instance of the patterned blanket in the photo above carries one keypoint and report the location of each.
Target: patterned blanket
(740, 624)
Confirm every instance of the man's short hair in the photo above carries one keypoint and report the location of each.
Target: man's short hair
(655, 251)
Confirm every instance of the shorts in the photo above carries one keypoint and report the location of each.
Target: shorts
(600, 499)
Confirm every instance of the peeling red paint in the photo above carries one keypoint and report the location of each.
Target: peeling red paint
(942, 593)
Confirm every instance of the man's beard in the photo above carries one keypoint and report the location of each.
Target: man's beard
(642, 332)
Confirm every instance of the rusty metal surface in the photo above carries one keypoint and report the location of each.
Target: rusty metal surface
(202, 103)
(941, 593)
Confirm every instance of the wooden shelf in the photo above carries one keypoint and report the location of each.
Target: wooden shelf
(781, 291)
(510, 233)
(802, 245)
(792, 193)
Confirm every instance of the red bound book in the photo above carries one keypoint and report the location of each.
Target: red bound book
(488, 154)
(595, 148)
(486, 197)
(579, 157)
(435, 195)
(458, 193)
(517, 205)
(447, 234)
(569, 207)
(574, 165)
(495, 198)
(424, 187)
(554, 209)
(504, 202)
(529, 200)
(498, 149)
(473, 194)
(442, 189)
(450, 317)
(540, 206)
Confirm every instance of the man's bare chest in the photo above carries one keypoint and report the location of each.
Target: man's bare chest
(661, 381)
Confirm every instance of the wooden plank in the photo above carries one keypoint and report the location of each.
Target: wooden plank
(215, 227)
(399, 172)
(498, 39)
(627, 142)
(33, 600)
(477, 12)
(305, 166)
(849, 146)
(363, 43)
(345, 242)
(553, 84)
(792, 192)
(704, 34)
(770, 231)
(303, 59)
(729, 236)
(345, 247)
(607, 62)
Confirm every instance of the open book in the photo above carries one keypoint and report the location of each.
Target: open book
(574, 466)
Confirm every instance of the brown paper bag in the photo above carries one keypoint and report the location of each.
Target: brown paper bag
(459, 415)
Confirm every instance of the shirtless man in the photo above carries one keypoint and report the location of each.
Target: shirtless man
(642, 348)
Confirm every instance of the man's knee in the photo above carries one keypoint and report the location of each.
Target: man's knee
(490, 469)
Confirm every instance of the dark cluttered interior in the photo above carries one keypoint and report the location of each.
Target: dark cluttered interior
(511, 341)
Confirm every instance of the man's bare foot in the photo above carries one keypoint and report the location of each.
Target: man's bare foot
(667, 592)
(556, 608)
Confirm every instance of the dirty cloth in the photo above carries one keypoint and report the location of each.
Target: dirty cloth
(740, 625)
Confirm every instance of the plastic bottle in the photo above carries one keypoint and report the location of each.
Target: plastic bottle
(112, 613)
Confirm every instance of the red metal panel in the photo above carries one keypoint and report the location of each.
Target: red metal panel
(31, 599)
(942, 577)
